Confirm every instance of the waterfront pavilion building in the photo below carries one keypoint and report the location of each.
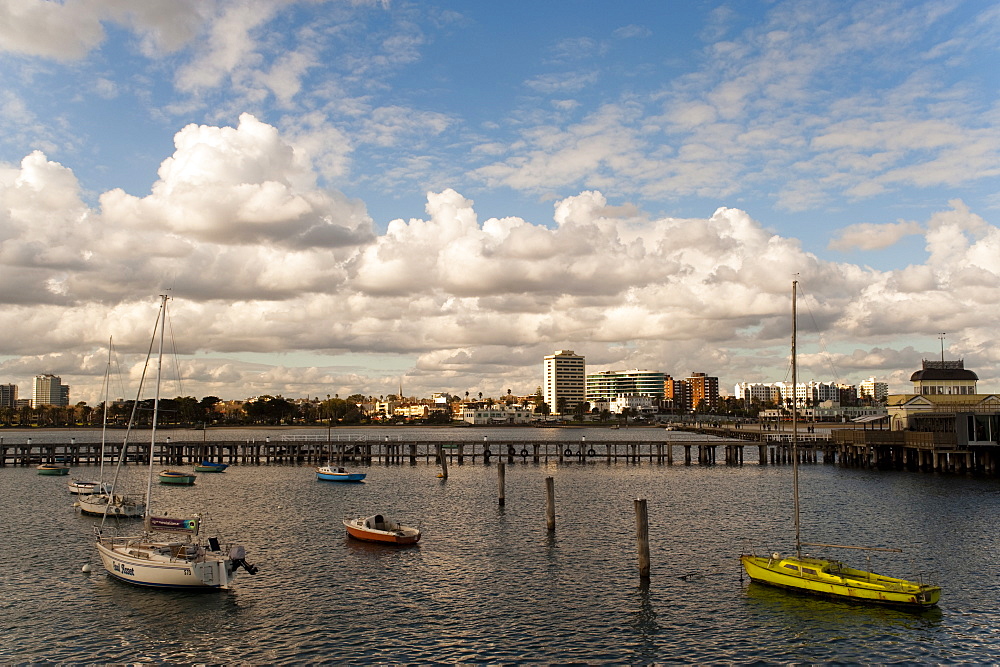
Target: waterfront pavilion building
(944, 378)
(564, 387)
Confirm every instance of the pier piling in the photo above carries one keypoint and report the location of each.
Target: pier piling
(642, 537)
(550, 504)
(501, 482)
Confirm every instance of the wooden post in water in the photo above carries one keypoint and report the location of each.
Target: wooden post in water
(550, 504)
(642, 537)
(444, 461)
(501, 481)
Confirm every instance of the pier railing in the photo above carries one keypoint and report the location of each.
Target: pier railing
(915, 451)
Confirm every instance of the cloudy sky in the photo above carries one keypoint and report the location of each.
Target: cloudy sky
(348, 196)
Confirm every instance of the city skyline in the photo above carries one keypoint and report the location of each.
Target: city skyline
(349, 197)
(596, 383)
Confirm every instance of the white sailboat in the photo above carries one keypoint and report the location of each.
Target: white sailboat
(100, 500)
(168, 553)
(85, 487)
(830, 578)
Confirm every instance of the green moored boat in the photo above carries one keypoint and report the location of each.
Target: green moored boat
(177, 477)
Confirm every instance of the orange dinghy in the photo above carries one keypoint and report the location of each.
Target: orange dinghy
(378, 529)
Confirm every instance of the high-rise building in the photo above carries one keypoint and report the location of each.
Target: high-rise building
(873, 390)
(565, 381)
(608, 385)
(49, 390)
(8, 396)
(702, 392)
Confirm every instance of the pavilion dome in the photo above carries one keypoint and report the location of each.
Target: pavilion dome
(944, 370)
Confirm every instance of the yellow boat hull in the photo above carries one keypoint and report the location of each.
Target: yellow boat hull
(831, 578)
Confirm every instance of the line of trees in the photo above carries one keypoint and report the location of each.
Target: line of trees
(189, 411)
(277, 410)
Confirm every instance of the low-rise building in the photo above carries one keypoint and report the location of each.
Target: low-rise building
(637, 405)
(485, 415)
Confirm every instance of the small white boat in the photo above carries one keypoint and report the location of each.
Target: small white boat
(100, 504)
(86, 487)
(379, 529)
(333, 474)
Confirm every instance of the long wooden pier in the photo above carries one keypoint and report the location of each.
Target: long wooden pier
(768, 448)
(311, 449)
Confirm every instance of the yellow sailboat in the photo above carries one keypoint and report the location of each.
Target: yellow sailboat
(830, 578)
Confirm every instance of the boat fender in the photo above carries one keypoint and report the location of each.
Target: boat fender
(524, 451)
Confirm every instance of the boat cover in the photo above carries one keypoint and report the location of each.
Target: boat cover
(172, 525)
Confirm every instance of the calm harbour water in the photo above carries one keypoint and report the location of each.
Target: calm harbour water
(491, 584)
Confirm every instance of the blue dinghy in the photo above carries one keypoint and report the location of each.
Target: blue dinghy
(332, 474)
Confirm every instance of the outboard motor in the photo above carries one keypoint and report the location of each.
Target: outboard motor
(238, 555)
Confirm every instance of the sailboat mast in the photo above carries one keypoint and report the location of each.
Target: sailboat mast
(795, 423)
(104, 420)
(156, 401)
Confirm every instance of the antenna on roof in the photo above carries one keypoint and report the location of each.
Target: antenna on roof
(942, 346)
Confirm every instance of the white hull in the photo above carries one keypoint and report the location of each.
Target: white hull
(176, 565)
(81, 487)
(95, 505)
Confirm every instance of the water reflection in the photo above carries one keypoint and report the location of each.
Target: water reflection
(379, 553)
(491, 584)
(644, 619)
(802, 609)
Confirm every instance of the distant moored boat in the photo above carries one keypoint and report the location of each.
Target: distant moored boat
(331, 474)
(211, 466)
(379, 529)
(177, 477)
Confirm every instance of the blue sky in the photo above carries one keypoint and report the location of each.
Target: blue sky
(343, 194)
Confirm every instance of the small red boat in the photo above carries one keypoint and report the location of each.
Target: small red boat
(378, 529)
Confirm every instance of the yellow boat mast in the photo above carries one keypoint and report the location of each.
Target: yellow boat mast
(795, 426)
